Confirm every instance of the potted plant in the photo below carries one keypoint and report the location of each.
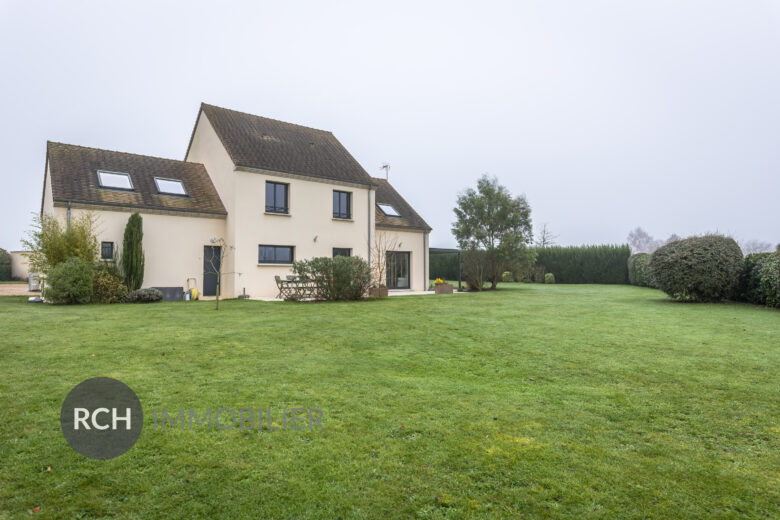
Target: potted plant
(378, 291)
(442, 287)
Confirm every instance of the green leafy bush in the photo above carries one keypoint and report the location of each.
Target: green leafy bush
(549, 278)
(70, 282)
(337, 279)
(133, 260)
(585, 264)
(507, 277)
(107, 287)
(639, 272)
(770, 279)
(5, 265)
(148, 295)
(51, 244)
(750, 280)
(698, 269)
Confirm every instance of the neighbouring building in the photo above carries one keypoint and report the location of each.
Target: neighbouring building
(272, 192)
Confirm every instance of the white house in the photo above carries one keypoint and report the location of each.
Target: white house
(275, 192)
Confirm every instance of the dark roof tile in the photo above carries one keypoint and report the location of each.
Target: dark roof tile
(74, 177)
(386, 194)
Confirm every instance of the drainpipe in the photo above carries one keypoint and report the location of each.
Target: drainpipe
(368, 205)
(68, 224)
(425, 260)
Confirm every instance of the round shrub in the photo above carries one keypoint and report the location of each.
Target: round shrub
(69, 282)
(549, 278)
(639, 270)
(338, 278)
(148, 295)
(698, 269)
(770, 279)
(107, 287)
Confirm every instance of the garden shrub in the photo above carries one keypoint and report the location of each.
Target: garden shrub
(585, 264)
(51, 244)
(107, 287)
(148, 295)
(5, 265)
(69, 282)
(339, 278)
(750, 280)
(549, 278)
(698, 269)
(770, 279)
(507, 277)
(639, 270)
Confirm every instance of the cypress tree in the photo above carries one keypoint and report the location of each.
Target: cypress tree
(133, 253)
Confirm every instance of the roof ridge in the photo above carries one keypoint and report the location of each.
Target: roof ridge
(267, 118)
(124, 153)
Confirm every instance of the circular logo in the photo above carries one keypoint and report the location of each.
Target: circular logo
(101, 418)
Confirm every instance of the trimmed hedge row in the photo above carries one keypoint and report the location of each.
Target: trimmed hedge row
(760, 280)
(585, 264)
(5, 265)
(444, 266)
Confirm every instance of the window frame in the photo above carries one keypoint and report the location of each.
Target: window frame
(109, 187)
(273, 209)
(260, 261)
(161, 192)
(380, 204)
(102, 250)
(339, 214)
(347, 249)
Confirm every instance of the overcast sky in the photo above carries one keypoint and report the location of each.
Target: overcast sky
(607, 115)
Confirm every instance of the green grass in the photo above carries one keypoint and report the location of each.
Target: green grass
(535, 401)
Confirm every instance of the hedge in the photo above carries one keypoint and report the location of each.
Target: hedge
(444, 266)
(770, 279)
(69, 282)
(699, 269)
(606, 264)
(639, 270)
(5, 265)
(750, 281)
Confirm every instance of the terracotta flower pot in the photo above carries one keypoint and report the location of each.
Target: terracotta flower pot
(444, 288)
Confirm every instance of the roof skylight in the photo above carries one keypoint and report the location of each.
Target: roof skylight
(117, 180)
(170, 186)
(388, 210)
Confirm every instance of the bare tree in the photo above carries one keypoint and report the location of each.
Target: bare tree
(379, 248)
(674, 237)
(641, 241)
(216, 262)
(755, 246)
(544, 237)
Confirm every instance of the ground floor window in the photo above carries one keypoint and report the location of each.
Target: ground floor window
(275, 254)
(106, 250)
(398, 270)
(342, 251)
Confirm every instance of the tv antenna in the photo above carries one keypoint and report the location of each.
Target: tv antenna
(386, 168)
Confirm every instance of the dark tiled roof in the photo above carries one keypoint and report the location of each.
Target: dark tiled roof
(386, 194)
(258, 142)
(74, 177)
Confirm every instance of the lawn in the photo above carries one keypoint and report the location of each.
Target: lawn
(532, 401)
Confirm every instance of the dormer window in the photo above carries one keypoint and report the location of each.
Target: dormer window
(388, 210)
(116, 180)
(170, 186)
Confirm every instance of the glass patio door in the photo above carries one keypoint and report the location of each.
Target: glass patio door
(398, 270)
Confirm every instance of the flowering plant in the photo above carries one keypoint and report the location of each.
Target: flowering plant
(439, 281)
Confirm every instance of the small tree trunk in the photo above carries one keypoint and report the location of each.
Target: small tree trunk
(219, 282)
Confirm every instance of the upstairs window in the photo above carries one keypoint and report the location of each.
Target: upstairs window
(388, 210)
(275, 254)
(117, 180)
(342, 204)
(106, 250)
(276, 197)
(170, 186)
(342, 251)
